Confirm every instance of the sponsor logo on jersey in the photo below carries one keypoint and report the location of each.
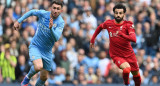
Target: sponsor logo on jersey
(43, 28)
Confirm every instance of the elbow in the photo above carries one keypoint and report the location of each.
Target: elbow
(56, 39)
(134, 40)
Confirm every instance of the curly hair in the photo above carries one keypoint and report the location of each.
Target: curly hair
(119, 6)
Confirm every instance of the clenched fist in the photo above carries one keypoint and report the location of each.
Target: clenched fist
(16, 25)
(92, 45)
(50, 23)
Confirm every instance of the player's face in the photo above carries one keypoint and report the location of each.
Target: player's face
(56, 10)
(118, 15)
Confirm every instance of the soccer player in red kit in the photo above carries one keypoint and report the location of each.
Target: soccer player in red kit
(121, 33)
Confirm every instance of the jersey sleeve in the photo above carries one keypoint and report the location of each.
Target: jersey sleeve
(98, 30)
(57, 31)
(104, 25)
(130, 27)
(31, 13)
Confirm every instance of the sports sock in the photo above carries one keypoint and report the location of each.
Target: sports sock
(126, 72)
(137, 79)
(40, 82)
(31, 72)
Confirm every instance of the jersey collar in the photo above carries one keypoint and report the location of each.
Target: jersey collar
(117, 23)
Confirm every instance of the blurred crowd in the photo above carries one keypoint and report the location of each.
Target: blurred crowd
(74, 62)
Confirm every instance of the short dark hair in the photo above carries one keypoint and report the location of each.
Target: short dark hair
(59, 2)
(119, 6)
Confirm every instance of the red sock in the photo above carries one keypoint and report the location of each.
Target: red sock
(137, 79)
(126, 72)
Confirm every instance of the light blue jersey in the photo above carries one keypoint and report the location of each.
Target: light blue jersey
(44, 39)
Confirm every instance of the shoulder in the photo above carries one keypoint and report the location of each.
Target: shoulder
(36, 10)
(43, 11)
(40, 12)
(129, 24)
(108, 22)
(60, 19)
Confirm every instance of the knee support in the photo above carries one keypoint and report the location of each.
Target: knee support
(127, 70)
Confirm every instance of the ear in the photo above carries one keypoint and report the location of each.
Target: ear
(50, 8)
(61, 10)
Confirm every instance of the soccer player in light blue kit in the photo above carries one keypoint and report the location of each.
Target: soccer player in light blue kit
(50, 27)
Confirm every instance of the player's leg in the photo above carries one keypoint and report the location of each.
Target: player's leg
(135, 70)
(124, 65)
(37, 66)
(47, 66)
(126, 70)
(136, 78)
(43, 77)
(35, 57)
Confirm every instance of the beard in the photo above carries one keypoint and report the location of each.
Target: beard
(118, 19)
(54, 16)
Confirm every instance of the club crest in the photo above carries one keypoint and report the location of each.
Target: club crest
(132, 26)
(121, 27)
(54, 25)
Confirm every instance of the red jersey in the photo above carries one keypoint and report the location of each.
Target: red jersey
(119, 46)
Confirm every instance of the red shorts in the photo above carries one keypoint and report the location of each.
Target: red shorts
(131, 60)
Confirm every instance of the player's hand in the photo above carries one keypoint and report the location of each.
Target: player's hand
(50, 23)
(91, 45)
(16, 25)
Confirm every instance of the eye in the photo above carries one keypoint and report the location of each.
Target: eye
(120, 13)
(54, 7)
(116, 12)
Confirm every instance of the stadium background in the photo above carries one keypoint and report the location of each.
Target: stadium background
(76, 63)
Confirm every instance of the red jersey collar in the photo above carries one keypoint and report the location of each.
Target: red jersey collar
(117, 23)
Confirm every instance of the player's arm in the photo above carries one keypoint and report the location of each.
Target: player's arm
(26, 15)
(98, 30)
(131, 37)
(57, 31)
(30, 13)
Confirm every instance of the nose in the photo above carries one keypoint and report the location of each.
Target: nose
(55, 10)
(118, 14)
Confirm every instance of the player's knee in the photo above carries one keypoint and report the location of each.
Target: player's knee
(38, 67)
(136, 73)
(127, 70)
(43, 77)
